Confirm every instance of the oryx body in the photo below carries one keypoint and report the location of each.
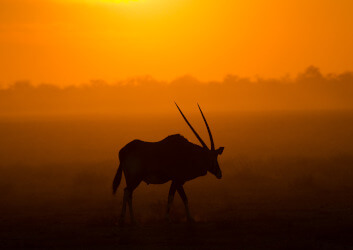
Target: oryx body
(171, 159)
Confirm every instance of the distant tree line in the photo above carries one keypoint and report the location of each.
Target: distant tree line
(310, 90)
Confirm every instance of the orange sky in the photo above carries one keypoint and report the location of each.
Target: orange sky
(73, 41)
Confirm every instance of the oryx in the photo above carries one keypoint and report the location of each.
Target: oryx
(171, 159)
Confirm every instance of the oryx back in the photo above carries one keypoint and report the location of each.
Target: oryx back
(173, 158)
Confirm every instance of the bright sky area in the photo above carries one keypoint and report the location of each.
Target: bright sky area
(71, 42)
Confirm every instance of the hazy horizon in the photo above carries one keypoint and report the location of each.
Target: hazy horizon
(309, 90)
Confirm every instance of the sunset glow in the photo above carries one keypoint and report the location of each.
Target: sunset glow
(72, 42)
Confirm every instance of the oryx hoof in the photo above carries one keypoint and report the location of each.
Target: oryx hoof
(121, 222)
(190, 219)
(134, 223)
(168, 219)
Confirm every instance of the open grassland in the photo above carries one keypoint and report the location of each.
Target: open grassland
(287, 183)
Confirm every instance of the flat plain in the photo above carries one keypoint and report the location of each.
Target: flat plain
(287, 183)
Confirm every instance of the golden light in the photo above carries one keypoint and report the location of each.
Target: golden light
(118, 39)
(131, 3)
(135, 7)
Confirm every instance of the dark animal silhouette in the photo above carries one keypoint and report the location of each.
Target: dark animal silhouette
(171, 159)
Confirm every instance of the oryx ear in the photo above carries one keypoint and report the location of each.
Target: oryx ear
(220, 150)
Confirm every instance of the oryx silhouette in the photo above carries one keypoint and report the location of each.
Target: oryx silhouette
(171, 159)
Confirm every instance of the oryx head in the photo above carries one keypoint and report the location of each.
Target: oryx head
(210, 154)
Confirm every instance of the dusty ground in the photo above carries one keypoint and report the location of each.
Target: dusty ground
(257, 219)
(288, 184)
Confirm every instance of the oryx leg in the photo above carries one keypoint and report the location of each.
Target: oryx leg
(131, 187)
(128, 201)
(123, 211)
(182, 194)
(170, 198)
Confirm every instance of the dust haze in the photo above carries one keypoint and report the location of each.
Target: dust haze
(309, 90)
(287, 164)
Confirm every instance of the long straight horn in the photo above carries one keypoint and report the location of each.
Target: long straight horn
(208, 129)
(193, 130)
